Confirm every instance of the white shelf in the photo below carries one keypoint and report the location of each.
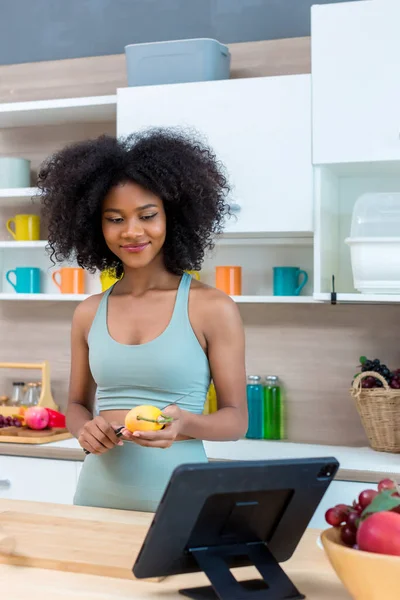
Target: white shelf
(225, 240)
(11, 196)
(15, 244)
(94, 109)
(44, 297)
(17, 192)
(265, 239)
(238, 299)
(274, 299)
(360, 298)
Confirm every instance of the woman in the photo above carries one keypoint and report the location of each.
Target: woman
(147, 206)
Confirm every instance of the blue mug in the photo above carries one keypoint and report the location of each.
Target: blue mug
(27, 280)
(286, 281)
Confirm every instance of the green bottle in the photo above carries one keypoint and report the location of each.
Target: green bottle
(272, 409)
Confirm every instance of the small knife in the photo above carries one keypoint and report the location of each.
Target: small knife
(118, 431)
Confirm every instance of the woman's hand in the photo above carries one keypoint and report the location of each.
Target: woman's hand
(163, 438)
(98, 436)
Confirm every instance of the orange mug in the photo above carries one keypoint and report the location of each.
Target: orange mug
(71, 281)
(229, 280)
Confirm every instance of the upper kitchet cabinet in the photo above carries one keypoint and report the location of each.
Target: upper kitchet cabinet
(260, 129)
(356, 82)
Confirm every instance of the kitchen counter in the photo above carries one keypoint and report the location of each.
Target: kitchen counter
(356, 464)
(308, 568)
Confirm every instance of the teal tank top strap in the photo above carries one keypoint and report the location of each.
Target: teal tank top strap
(100, 318)
(181, 314)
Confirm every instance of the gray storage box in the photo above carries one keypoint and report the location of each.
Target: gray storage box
(179, 61)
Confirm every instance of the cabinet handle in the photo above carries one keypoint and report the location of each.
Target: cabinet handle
(5, 483)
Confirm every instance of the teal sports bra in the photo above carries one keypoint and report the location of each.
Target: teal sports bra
(170, 368)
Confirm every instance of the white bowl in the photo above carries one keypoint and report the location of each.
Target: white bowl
(376, 264)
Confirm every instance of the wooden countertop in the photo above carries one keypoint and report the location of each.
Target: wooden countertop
(42, 451)
(308, 568)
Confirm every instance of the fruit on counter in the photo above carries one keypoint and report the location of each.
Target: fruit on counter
(146, 418)
(380, 533)
(56, 419)
(10, 422)
(365, 525)
(375, 365)
(36, 417)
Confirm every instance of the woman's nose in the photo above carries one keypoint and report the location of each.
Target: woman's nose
(134, 228)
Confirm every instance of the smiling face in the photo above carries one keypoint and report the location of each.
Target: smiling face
(134, 224)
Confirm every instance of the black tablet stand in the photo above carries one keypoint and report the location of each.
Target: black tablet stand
(237, 514)
(274, 584)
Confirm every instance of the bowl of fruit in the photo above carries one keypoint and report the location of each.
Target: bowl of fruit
(363, 543)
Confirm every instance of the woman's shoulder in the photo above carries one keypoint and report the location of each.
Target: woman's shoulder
(213, 304)
(85, 312)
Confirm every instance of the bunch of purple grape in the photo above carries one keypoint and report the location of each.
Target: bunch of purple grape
(9, 422)
(392, 377)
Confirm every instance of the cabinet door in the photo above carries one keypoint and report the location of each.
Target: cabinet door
(356, 82)
(260, 129)
(37, 479)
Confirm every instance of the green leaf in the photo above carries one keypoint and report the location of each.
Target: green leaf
(385, 500)
(363, 359)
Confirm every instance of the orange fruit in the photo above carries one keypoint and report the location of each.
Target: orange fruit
(145, 418)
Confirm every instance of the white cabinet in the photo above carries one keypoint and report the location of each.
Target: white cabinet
(356, 82)
(260, 129)
(37, 479)
(337, 188)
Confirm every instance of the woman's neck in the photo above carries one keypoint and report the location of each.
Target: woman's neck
(139, 281)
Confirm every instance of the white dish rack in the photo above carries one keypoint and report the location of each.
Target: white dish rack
(375, 243)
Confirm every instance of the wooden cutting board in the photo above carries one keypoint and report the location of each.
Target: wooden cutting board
(73, 545)
(16, 435)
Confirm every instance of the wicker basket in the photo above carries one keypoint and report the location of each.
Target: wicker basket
(379, 409)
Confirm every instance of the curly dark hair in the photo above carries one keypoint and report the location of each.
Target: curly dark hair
(172, 164)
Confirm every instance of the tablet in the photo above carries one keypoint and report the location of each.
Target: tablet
(219, 515)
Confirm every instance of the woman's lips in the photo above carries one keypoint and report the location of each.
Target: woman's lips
(135, 247)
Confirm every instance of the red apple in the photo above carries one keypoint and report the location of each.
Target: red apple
(36, 417)
(380, 533)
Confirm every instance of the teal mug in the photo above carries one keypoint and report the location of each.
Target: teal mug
(286, 281)
(27, 280)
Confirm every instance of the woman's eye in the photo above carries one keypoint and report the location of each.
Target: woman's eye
(148, 217)
(116, 220)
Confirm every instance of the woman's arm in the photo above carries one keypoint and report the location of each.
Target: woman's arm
(81, 384)
(94, 434)
(226, 354)
(224, 334)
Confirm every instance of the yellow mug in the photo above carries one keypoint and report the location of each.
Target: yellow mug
(194, 274)
(26, 227)
(107, 279)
